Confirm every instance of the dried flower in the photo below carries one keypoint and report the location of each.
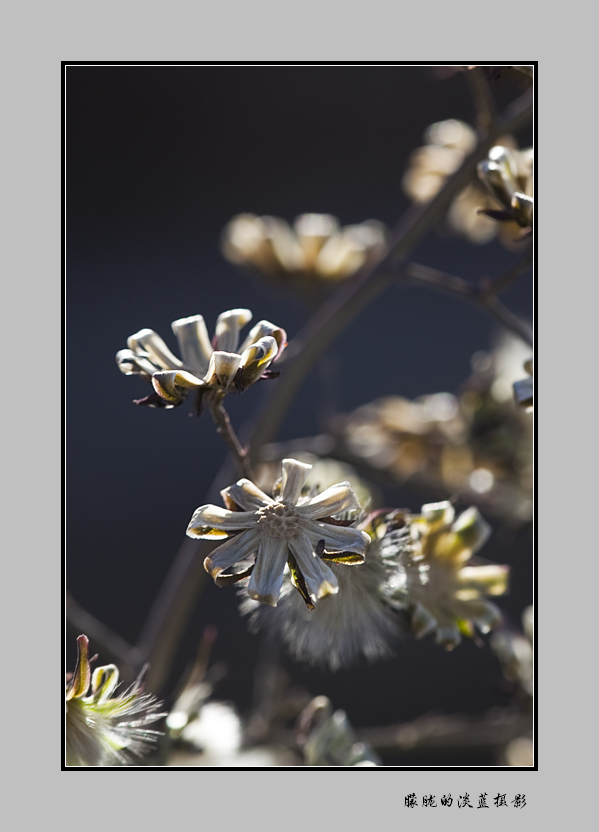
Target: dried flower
(358, 621)
(477, 444)
(447, 143)
(221, 366)
(508, 176)
(102, 729)
(289, 530)
(316, 247)
(435, 583)
(328, 739)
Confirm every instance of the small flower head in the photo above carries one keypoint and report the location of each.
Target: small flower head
(266, 535)
(507, 176)
(436, 584)
(327, 738)
(102, 729)
(357, 621)
(315, 247)
(221, 365)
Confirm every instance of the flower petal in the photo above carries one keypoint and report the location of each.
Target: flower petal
(104, 681)
(261, 329)
(295, 474)
(235, 549)
(194, 343)
(223, 368)
(146, 340)
(335, 499)
(319, 577)
(215, 517)
(131, 363)
(491, 579)
(227, 329)
(256, 359)
(337, 538)
(172, 385)
(267, 577)
(246, 494)
(82, 675)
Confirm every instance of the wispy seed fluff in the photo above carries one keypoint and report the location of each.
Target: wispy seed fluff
(356, 622)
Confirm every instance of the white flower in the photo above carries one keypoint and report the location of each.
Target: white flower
(358, 621)
(225, 367)
(102, 729)
(287, 530)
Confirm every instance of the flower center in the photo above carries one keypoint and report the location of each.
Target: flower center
(279, 520)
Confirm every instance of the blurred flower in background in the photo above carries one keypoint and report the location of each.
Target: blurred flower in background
(102, 729)
(437, 585)
(476, 444)
(327, 738)
(315, 249)
(221, 365)
(447, 143)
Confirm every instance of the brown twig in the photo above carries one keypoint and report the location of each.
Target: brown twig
(491, 730)
(484, 298)
(225, 429)
(339, 310)
(501, 283)
(483, 99)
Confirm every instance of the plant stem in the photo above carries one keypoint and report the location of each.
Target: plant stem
(484, 298)
(225, 429)
(340, 309)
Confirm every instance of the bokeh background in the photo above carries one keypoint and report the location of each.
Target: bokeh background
(158, 160)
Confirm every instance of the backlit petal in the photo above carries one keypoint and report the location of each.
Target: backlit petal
(227, 328)
(319, 577)
(215, 517)
(335, 499)
(150, 342)
(172, 385)
(223, 368)
(261, 329)
(247, 495)
(294, 476)
(256, 359)
(234, 550)
(130, 363)
(194, 343)
(337, 538)
(267, 577)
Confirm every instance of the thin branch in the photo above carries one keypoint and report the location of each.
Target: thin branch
(483, 99)
(464, 290)
(339, 310)
(491, 730)
(225, 429)
(505, 316)
(501, 283)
